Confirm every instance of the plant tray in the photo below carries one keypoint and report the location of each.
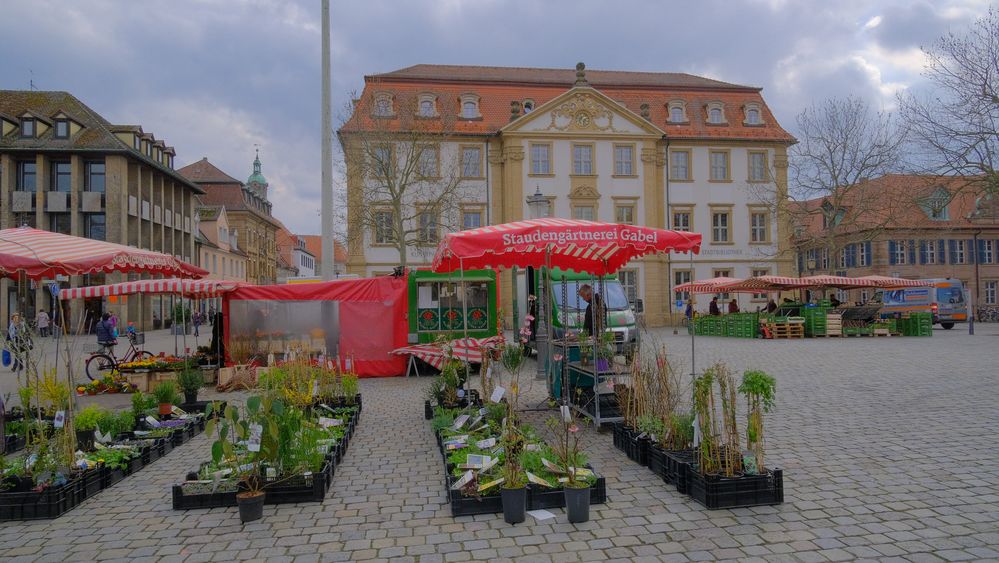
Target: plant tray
(470, 506)
(678, 464)
(541, 498)
(716, 492)
(14, 443)
(50, 503)
(299, 489)
(90, 483)
(657, 460)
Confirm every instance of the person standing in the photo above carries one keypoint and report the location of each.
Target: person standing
(713, 307)
(733, 307)
(15, 333)
(593, 307)
(42, 321)
(197, 323)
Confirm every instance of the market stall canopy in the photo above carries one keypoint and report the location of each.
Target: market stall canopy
(763, 284)
(191, 288)
(583, 246)
(839, 282)
(886, 282)
(45, 254)
(710, 285)
(464, 349)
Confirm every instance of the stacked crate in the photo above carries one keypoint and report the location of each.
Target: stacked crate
(815, 320)
(834, 324)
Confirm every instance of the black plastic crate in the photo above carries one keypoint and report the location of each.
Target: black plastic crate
(50, 503)
(657, 460)
(462, 505)
(542, 498)
(428, 410)
(678, 464)
(637, 449)
(715, 492)
(91, 482)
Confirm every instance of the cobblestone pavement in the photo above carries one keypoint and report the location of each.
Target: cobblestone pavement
(889, 448)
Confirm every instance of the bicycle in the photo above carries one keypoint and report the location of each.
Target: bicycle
(104, 362)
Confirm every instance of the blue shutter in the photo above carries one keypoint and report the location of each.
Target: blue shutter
(891, 252)
(941, 258)
(870, 257)
(922, 252)
(851, 256)
(912, 252)
(980, 251)
(951, 251)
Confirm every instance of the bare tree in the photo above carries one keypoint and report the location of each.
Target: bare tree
(955, 126)
(404, 173)
(842, 143)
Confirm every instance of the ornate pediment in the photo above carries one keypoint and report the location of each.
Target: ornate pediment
(583, 110)
(584, 192)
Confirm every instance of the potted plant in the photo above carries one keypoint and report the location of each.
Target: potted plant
(759, 389)
(566, 449)
(606, 348)
(514, 487)
(166, 394)
(85, 422)
(190, 381)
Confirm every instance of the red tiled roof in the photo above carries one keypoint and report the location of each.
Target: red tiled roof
(497, 87)
(314, 244)
(205, 172)
(894, 201)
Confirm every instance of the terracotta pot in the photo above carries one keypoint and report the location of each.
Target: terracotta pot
(165, 409)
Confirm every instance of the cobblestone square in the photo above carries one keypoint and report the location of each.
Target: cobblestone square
(888, 445)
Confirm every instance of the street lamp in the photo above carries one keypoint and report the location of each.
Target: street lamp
(538, 206)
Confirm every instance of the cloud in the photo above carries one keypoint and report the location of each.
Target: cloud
(215, 77)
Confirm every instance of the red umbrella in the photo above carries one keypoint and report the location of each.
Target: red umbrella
(45, 254)
(583, 246)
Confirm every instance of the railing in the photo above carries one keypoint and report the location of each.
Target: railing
(988, 314)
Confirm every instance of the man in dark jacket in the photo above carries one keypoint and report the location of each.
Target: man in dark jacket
(105, 332)
(713, 307)
(586, 294)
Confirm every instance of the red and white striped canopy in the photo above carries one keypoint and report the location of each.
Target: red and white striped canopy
(465, 349)
(766, 283)
(583, 246)
(840, 282)
(710, 285)
(886, 282)
(193, 288)
(44, 254)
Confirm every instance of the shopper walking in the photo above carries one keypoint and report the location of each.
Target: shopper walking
(42, 322)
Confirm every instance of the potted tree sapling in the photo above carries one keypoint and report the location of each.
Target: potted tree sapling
(85, 422)
(166, 395)
(759, 389)
(190, 381)
(565, 447)
(514, 487)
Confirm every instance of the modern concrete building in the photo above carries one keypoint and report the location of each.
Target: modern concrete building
(65, 168)
(665, 150)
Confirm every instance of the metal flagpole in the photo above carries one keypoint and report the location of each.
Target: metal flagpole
(693, 369)
(327, 148)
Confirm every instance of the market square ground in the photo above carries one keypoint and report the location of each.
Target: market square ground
(888, 444)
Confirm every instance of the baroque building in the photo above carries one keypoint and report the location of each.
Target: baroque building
(65, 168)
(248, 211)
(665, 150)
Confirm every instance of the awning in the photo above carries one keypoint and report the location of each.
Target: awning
(190, 288)
(710, 285)
(45, 254)
(465, 349)
(764, 284)
(886, 282)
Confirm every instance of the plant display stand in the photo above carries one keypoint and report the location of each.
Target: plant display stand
(595, 399)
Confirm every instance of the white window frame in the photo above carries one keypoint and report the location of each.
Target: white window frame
(383, 105)
(960, 252)
(901, 256)
(466, 101)
(718, 229)
(757, 170)
(674, 167)
(760, 272)
(630, 286)
(689, 216)
(541, 167)
(581, 166)
(624, 166)
(759, 233)
(862, 258)
(988, 252)
(681, 277)
(991, 288)
(465, 162)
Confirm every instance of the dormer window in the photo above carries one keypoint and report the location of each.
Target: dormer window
(677, 111)
(528, 106)
(935, 206)
(62, 129)
(716, 113)
(27, 127)
(383, 105)
(427, 105)
(136, 142)
(470, 106)
(753, 115)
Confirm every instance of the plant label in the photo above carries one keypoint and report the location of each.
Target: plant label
(532, 448)
(541, 514)
(489, 372)
(581, 472)
(552, 467)
(538, 480)
(640, 436)
(253, 444)
(483, 411)
(328, 422)
(272, 473)
(465, 479)
(476, 421)
(566, 413)
(497, 451)
(483, 427)
(460, 421)
(749, 463)
(152, 422)
(102, 437)
(461, 393)
(315, 388)
(60, 419)
(489, 464)
(485, 444)
(497, 394)
(486, 486)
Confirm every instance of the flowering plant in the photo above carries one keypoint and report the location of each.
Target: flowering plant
(565, 446)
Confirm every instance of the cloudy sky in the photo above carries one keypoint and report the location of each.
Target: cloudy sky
(216, 78)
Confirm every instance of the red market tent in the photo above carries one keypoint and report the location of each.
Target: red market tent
(839, 282)
(45, 254)
(886, 282)
(764, 284)
(711, 285)
(176, 286)
(362, 320)
(583, 246)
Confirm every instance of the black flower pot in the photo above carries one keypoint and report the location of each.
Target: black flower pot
(191, 396)
(85, 440)
(251, 506)
(577, 504)
(514, 505)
